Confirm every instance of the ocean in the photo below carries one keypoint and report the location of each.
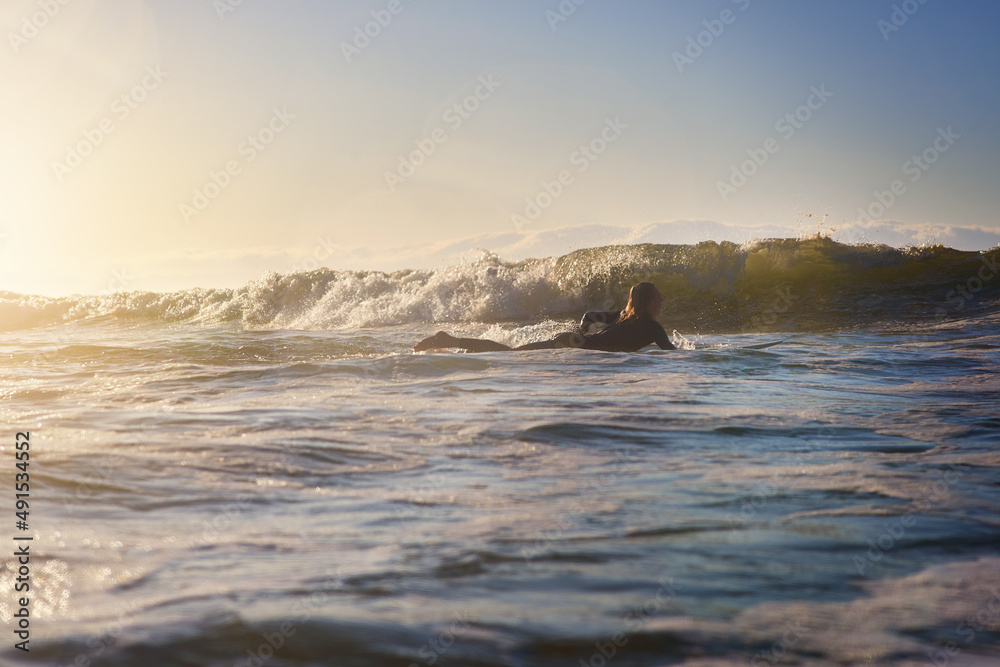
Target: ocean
(270, 476)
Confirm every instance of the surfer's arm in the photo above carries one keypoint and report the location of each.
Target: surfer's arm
(604, 317)
(661, 338)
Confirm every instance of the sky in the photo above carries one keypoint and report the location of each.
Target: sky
(172, 144)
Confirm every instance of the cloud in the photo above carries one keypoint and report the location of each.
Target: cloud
(901, 234)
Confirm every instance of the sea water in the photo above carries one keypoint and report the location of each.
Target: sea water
(269, 475)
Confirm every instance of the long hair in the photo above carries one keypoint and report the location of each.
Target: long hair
(639, 298)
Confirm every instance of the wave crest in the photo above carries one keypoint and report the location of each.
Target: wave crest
(789, 284)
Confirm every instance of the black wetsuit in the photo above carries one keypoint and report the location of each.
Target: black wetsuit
(629, 336)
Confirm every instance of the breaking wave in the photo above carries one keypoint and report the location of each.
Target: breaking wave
(814, 284)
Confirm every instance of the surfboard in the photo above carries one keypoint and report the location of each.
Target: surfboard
(756, 346)
(761, 346)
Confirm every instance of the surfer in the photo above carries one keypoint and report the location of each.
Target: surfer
(635, 328)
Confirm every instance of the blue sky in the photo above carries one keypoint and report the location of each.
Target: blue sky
(128, 215)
